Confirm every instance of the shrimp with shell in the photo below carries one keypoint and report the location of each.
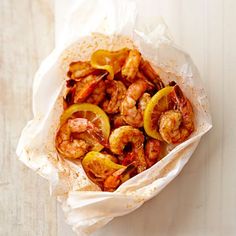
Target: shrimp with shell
(131, 111)
(176, 125)
(150, 73)
(130, 68)
(98, 94)
(116, 91)
(113, 181)
(117, 121)
(150, 85)
(85, 87)
(73, 147)
(143, 101)
(152, 151)
(102, 169)
(128, 135)
(80, 69)
(79, 91)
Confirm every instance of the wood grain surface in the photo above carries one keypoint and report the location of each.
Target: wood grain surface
(201, 200)
(26, 37)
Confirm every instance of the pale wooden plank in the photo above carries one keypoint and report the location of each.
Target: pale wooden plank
(213, 74)
(26, 38)
(229, 128)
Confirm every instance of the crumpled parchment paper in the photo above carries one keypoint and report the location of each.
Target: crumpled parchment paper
(110, 25)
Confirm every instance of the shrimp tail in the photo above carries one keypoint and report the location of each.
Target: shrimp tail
(151, 74)
(176, 125)
(129, 169)
(118, 177)
(178, 95)
(152, 151)
(98, 135)
(86, 89)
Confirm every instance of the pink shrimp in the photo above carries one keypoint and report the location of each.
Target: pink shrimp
(113, 181)
(125, 135)
(175, 126)
(130, 68)
(116, 91)
(71, 147)
(86, 86)
(98, 94)
(117, 121)
(152, 151)
(133, 114)
(79, 91)
(151, 74)
(80, 69)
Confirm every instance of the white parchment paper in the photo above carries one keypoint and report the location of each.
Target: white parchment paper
(111, 25)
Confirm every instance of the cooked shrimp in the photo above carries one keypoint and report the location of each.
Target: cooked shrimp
(152, 151)
(79, 69)
(98, 94)
(143, 101)
(125, 135)
(73, 148)
(131, 114)
(176, 125)
(86, 86)
(118, 121)
(113, 181)
(103, 170)
(150, 85)
(151, 74)
(131, 65)
(116, 91)
(119, 77)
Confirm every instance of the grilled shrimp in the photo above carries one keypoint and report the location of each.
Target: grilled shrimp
(152, 151)
(103, 170)
(176, 125)
(150, 86)
(150, 73)
(131, 65)
(117, 121)
(98, 94)
(143, 101)
(116, 91)
(126, 136)
(131, 114)
(79, 69)
(86, 86)
(71, 147)
(113, 181)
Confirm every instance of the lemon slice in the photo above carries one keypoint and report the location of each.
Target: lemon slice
(157, 105)
(110, 61)
(99, 166)
(92, 113)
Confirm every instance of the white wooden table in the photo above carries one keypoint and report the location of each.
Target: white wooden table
(201, 200)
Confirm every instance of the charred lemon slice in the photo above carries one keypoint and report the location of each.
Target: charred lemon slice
(99, 166)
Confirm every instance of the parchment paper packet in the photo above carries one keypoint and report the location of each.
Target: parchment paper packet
(109, 25)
